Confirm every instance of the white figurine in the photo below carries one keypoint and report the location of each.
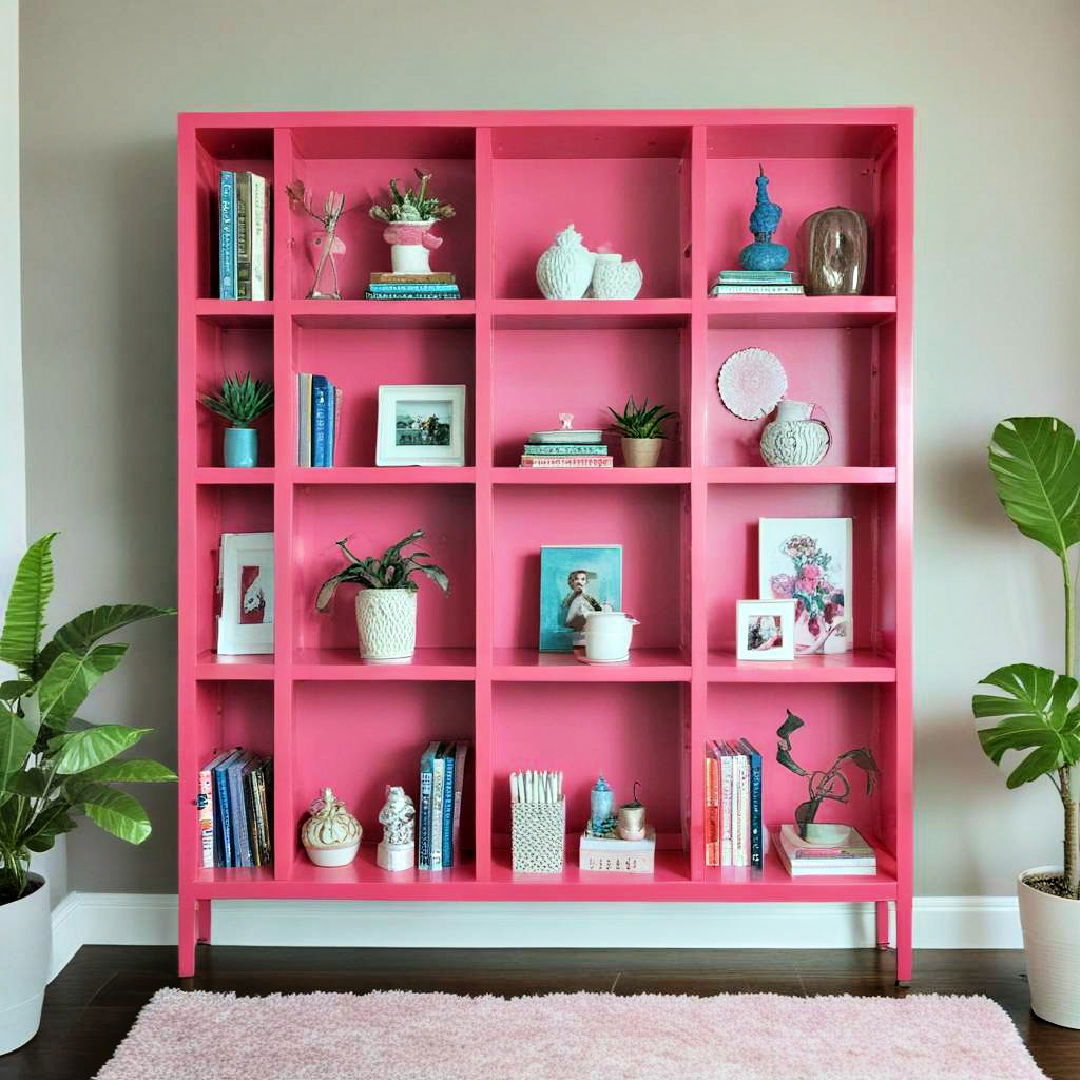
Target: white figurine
(396, 818)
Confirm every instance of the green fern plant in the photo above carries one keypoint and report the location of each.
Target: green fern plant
(410, 204)
(641, 421)
(241, 400)
(392, 570)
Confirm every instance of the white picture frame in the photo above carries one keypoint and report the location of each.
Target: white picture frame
(245, 625)
(765, 630)
(421, 425)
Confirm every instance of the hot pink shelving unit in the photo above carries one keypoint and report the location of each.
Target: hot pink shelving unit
(672, 189)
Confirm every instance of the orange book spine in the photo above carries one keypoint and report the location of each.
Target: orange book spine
(712, 809)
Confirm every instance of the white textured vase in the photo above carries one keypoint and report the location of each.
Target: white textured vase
(614, 279)
(565, 270)
(1051, 926)
(26, 946)
(386, 620)
(793, 438)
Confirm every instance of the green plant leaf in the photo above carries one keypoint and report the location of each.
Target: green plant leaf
(47, 826)
(130, 771)
(436, 574)
(17, 735)
(116, 812)
(785, 759)
(1036, 465)
(78, 751)
(24, 619)
(13, 689)
(790, 725)
(70, 678)
(30, 784)
(85, 630)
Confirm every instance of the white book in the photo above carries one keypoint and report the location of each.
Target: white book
(742, 837)
(725, 805)
(438, 779)
(303, 418)
(798, 868)
(258, 237)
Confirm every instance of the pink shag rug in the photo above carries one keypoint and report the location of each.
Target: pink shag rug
(199, 1035)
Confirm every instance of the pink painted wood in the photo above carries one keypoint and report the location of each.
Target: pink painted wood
(671, 189)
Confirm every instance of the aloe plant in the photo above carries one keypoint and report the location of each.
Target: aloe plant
(52, 763)
(641, 421)
(1035, 462)
(410, 204)
(241, 400)
(393, 570)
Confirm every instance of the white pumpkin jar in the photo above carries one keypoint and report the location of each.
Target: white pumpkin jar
(565, 270)
(794, 437)
(386, 622)
(331, 835)
(614, 279)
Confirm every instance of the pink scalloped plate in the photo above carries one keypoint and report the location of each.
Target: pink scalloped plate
(751, 382)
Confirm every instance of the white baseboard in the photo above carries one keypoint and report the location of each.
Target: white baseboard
(940, 922)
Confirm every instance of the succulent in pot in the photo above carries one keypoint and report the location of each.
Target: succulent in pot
(241, 401)
(386, 602)
(641, 428)
(410, 214)
(1035, 462)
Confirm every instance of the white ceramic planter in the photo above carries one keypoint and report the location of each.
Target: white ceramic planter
(26, 946)
(1051, 926)
(386, 621)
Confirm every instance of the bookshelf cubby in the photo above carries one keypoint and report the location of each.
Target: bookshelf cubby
(673, 190)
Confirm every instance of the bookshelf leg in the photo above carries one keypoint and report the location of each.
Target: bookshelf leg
(881, 923)
(202, 920)
(903, 943)
(185, 960)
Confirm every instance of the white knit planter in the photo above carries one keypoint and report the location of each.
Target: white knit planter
(1051, 926)
(26, 946)
(386, 620)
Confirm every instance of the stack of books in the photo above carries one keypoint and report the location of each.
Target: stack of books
(318, 420)
(582, 450)
(235, 809)
(611, 854)
(755, 281)
(442, 777)
(850, 855)
(243, 236)
(412, 287)
(733, 831)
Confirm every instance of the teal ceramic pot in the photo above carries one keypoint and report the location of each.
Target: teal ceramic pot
(241, 448)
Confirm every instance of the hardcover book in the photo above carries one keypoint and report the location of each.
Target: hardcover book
(610, 855)
(227, 235)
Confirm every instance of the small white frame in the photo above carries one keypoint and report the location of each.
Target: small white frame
(779, 614)
(234, 636)
(387, 450)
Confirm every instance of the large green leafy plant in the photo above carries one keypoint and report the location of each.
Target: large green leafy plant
(54, 765)
(1036, 466)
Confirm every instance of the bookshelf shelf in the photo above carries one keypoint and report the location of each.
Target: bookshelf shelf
(671, 189)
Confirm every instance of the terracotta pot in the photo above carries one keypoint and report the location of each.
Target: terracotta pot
(26, 945)
(1051, 926)
(641, 453)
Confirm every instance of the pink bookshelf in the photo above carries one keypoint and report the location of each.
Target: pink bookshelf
(672, 189)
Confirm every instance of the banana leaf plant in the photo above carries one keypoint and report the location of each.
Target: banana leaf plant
(54, 765)
(1035, 462)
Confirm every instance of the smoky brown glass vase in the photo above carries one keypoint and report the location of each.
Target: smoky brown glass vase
(837, 246)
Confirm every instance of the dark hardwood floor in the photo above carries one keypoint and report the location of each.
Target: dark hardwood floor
(93, 1003)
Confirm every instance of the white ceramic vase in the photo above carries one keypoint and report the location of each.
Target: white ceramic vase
(565, 270)
(793, 437)
(26, 946)
(1051, 926)
(614, 279)
(386, 621)
(608, 635)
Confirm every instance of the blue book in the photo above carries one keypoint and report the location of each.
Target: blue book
(223, 835)
(413, 287)
(227, 235)
(427, 767)
(241, 839)
(321, 407)
(448, 806)
(757, 854)
(331, 422)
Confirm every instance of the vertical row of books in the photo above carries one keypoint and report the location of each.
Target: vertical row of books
(235, 809)
(243, 236)
(734, 834)
(442, 777)
(318, 420)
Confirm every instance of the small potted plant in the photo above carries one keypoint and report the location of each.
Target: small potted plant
(386, 602)
(642, 431)
(241, 401)
(410, 215)
(54, 766)
(1036, 466)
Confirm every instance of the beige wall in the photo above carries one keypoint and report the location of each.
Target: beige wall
(997, 323)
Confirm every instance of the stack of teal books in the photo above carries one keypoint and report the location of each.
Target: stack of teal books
(570, 449)
(412, 287)
(755, 281)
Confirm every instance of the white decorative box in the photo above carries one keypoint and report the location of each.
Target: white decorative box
(539, 837)
(610, 855)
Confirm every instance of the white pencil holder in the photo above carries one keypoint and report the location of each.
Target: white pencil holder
(539, 837)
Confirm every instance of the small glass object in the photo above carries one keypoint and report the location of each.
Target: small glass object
(837, 246)
(602, 806)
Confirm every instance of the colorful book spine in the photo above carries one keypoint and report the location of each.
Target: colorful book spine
(426, 287)
(303, 419)
(436, 278)
(725, 290)
(712, 808)
(755, 277)
(222, 816)
(248, 780)
(204, 803)
(583, 462)
(727, 788)
(260, 235)
(564, 450)
(757, 845)
(320, 421)
(744, 810)
(243, 236)
(438, 778)
(426, 766)
(448, 807)
(241, 841)
(258, 805)
(227, 235)
(337, 425)
(413, 294)
(461, 751)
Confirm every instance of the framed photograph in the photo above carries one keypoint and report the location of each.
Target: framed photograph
(421, 425)
(575, 580)
(765, 629)
(246, 590)
(808, 560)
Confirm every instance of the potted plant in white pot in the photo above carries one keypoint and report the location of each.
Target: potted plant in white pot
(641, 428)
(386, 602)
(409, 216)
(53, 766)
(1036, 466)
(241, 401)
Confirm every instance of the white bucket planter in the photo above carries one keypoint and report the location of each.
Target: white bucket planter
(26, 945)
(386, 621)
(1051, 926)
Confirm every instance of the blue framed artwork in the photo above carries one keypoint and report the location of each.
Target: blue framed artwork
(574, 580)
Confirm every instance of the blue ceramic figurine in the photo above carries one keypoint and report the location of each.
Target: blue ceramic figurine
(763, 254)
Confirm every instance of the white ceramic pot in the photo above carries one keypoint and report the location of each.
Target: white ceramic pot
(614, 279)
(794, 437)
(641, 453)
(608, 635)
(410, 259)
(386, 620)
(1051, 926)
(565, 270)
(411, 244)
(26, 946)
